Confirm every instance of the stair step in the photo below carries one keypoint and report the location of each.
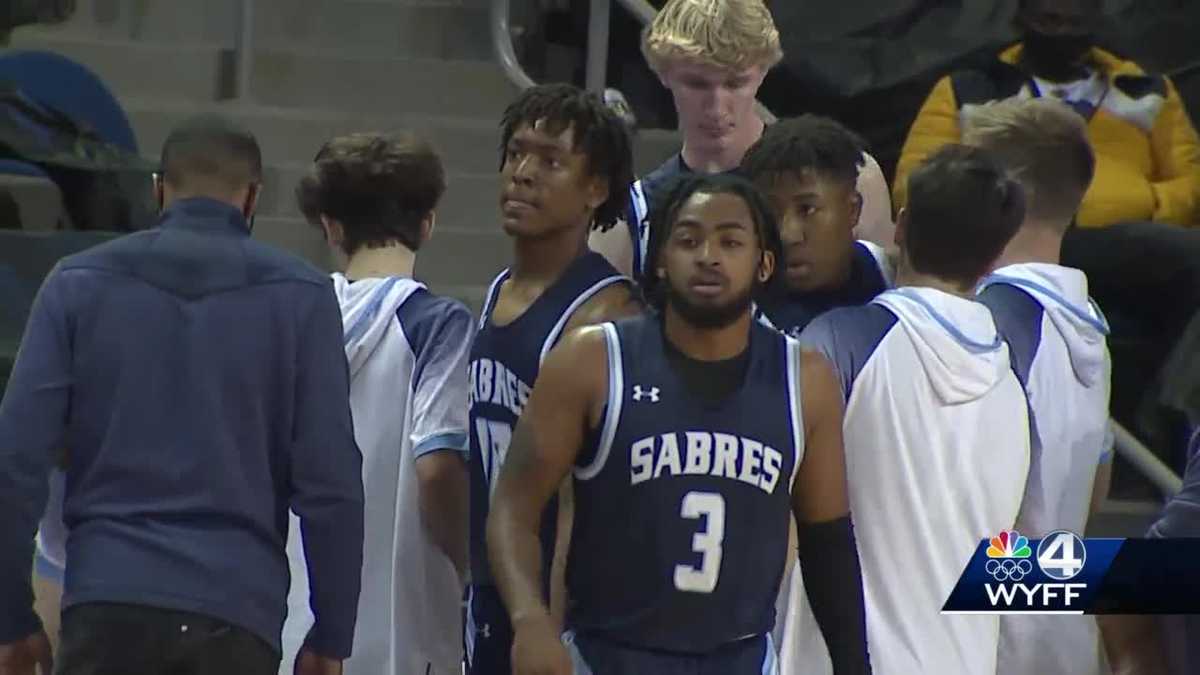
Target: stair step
(420, 28)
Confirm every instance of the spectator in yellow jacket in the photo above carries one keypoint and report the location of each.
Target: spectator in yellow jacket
(1137, 234)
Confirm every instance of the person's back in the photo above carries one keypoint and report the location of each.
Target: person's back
(936, 429)
(374, 196)
(175, 365)
(1057, 339)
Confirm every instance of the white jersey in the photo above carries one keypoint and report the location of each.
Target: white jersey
(407, 351)
(1057, 340)
(937, 451)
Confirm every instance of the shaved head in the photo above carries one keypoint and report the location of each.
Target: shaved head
(210, 155)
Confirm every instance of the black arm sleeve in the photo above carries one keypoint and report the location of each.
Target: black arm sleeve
(833, 581)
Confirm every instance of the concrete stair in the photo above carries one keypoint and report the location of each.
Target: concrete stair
(320, 68)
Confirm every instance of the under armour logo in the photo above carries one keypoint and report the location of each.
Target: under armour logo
(639, 393)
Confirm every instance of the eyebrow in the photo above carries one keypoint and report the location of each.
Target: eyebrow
(727, 225)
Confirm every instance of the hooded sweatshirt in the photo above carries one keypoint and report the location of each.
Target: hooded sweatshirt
(937, 449)
(407, 351)
(1057, 339)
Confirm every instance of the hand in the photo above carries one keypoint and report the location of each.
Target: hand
(538, 649)
(309, 663)
(24, 657)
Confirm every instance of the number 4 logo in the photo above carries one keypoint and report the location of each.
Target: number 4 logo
(1061, 555)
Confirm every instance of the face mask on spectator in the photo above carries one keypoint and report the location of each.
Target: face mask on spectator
(1056, 54)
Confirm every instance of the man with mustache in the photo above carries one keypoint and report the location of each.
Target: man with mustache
(692, 434)
(712, 55)
(565, 168)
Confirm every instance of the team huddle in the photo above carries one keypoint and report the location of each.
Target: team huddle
(698, 427)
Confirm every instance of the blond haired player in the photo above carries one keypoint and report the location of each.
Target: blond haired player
(712, 55)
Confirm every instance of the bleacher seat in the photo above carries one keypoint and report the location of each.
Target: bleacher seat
(71, 88)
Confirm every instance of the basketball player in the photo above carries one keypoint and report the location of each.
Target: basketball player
(692, 435)
(808, 168)
(1056, 336)
(565, 168)
(936, 426)
(712, 55)
(374, 197)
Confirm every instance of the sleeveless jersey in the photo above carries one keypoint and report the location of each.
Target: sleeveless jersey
(504, 365)
(681, 506)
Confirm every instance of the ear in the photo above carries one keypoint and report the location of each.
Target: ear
(766, 266)
(334, 234)
(160, 191)
(856, 208)
(598, 192)
(427, 225)
(252, 196)
(901, 227)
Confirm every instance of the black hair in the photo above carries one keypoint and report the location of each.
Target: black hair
(210, 149)
(665, 211)
(963, 209)
(807, 142)
(380, 187)
(599, 134)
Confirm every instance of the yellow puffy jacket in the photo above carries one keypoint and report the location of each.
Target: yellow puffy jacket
(1147, 151)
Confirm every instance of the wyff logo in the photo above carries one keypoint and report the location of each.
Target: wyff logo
(1060, 557)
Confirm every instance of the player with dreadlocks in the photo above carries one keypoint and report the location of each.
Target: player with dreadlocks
(565, 168)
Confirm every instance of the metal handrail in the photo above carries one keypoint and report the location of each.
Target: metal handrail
(502, 45)
(1145, 461)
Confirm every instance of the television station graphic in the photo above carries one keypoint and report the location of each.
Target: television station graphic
(1064, 573)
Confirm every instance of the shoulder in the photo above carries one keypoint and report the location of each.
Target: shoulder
(581, 354)
(987, 81)
(848, 337)
(426, 317)
(652, 182)
(616, 300)
(266, 263)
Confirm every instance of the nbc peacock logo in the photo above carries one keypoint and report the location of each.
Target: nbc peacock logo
(1008, 557)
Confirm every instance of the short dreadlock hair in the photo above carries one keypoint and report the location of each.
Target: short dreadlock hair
(665, 212)
(599, 134)
(805, 143)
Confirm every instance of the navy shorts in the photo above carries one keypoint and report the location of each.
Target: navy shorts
(488, 634)
(596, 656)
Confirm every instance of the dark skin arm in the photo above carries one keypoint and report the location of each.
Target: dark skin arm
(819, 494)
(1133, 644)
(819, 500)
(614, 302)
(566, 401)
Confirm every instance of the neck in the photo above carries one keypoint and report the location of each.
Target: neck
(1034, 243)
(906, 276)
(726, 156)
(706, 344)
(544, 259)
(393, 260)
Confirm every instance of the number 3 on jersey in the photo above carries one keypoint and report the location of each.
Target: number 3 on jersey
(494, 438)
(707, 542)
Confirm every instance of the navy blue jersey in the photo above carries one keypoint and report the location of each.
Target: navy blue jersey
(643, 195)
(504, 365)
(791, 312)
(681, 506)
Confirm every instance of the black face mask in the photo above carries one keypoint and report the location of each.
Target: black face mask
(1059, 57)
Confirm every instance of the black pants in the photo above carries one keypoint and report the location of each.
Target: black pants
(113, 639)
(1146, 278)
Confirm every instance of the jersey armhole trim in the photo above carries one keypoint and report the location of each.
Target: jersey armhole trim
(612, 411)
(556, 332)
(489, 301)
(794, 405)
